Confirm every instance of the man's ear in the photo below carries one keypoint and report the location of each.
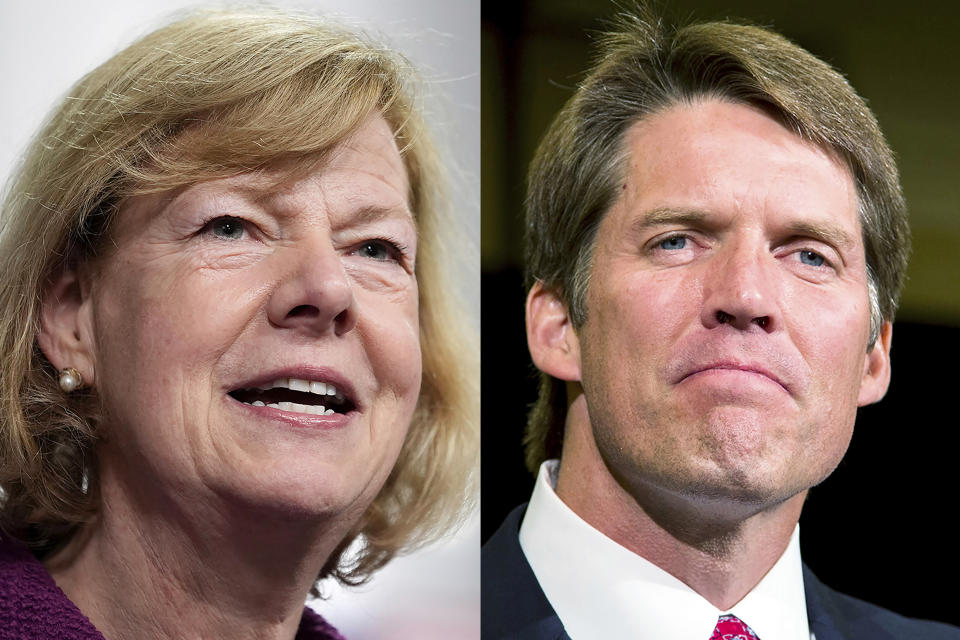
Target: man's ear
(66, 336)
(551, 338)
(876, 368)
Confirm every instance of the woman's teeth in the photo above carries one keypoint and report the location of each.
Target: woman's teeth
(317, 410)
(306, 386)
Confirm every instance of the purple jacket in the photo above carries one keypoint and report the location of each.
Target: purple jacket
(32, 606)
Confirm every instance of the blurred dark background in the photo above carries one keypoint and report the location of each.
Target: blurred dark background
(882, 527)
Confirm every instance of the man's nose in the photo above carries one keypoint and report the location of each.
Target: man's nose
(314, 294)
(740, 290)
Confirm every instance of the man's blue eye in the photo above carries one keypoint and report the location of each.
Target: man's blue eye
(227, 227)
(673, 243)
(811, 258)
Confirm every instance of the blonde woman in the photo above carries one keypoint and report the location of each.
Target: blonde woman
(229, 347)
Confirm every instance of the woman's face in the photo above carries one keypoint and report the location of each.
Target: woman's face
(229, 295)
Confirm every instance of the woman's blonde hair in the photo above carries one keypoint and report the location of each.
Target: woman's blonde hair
(211, 95)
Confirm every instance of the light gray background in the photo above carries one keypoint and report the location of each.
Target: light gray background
(47, 45)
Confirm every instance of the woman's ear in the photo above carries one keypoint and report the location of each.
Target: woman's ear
(66, 336)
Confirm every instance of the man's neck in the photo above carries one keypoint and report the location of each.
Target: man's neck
(174, 571)
(721, 553)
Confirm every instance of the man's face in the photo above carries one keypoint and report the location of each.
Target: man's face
(725, 348)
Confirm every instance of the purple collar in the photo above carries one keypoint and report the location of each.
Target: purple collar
(32, 606)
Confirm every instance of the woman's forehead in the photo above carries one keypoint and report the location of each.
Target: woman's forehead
(366, 165)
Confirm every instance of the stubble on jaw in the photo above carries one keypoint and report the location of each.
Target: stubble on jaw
(702, 491)
(692, 521)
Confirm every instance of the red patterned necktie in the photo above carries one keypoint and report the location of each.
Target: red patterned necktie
(732, 628)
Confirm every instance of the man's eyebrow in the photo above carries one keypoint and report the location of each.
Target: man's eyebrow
(819, 230)
(824, 232)
(670, 216)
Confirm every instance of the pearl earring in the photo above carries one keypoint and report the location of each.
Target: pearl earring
(70, 379)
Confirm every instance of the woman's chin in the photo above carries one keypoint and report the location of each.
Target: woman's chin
(297, 465)
(302, 489)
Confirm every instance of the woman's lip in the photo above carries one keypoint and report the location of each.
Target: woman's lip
(296, 419)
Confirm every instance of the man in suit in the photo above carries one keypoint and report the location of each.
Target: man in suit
(716, 244)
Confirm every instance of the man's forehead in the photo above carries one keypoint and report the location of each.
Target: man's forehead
(684, 118)
(685, 162)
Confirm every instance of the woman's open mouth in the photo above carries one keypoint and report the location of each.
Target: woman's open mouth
(297, 395)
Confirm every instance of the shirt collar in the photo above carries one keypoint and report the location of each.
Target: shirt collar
(600, 589)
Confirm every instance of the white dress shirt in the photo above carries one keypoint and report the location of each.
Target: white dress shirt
(600, 589)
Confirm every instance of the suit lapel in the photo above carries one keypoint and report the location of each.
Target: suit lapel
(514, 606)
(821, 612)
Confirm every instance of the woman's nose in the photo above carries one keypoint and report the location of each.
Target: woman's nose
(314, 294)
(741, 291)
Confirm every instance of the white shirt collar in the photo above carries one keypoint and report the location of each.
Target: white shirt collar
(600, 589)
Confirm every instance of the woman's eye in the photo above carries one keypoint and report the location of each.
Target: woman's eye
(226, 227)
(673, 243)
(812, 258)
(380, 250)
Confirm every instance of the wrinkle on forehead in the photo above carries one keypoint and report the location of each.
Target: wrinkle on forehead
(265, 181)
(270, 186)
(654, 158)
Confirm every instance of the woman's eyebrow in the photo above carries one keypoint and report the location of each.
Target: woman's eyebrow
(368, 214)
(277, 200)
(188, 194)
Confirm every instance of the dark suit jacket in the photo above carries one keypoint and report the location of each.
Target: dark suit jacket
(514, 607)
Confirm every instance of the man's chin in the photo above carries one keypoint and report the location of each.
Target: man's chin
(724, 496)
